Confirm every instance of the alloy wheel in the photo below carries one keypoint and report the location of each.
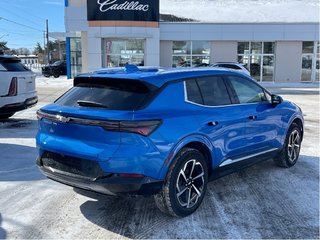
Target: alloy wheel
(190, 183)
(294, 145)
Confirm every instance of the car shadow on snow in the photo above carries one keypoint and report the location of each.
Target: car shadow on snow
(18, 163)
(130, 217)
(18, 128)
(249, 194)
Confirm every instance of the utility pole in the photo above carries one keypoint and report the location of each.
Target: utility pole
(47, 36)
(44, 47)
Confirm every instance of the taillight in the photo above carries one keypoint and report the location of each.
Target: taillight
(13, 89)
(144, 128)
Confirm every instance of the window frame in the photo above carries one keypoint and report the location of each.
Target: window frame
(190, 55)
(231, 98)
(313, 56)
(249, 55)
(235, 95)
(127, 50)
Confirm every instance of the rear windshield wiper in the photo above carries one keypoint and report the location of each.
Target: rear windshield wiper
(84, 103)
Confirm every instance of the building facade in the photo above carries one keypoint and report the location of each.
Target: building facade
(111, 33)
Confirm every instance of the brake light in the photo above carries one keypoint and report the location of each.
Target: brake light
(144, 128)
(13, 89)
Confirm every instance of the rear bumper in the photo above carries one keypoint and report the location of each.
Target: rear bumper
(105, 183)
(15, 107)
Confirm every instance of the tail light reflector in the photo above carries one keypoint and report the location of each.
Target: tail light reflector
(13, 89)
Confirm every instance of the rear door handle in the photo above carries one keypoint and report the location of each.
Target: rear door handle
(213, 123)
(252, 117)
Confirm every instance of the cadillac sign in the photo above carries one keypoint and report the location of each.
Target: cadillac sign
(122, 10)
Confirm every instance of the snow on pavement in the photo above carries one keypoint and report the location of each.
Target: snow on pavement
(262, 201)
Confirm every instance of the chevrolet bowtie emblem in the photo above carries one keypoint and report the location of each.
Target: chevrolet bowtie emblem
(62, 119)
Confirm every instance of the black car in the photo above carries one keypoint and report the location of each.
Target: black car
(56, 69)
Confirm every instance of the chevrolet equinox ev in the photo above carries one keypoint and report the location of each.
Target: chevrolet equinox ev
(166, 133)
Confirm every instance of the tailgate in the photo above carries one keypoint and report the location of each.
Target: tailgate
(5, 80)
(59, 132)
(26, 82)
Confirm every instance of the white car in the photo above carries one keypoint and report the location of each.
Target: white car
(232, 65)
(17, 86)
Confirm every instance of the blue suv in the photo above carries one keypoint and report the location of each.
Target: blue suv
(149, 131)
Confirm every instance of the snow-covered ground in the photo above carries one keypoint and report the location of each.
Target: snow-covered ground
(243, 11)
(263, 201)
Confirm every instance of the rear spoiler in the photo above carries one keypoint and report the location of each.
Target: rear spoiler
(133, 84)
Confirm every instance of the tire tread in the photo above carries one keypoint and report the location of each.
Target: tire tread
(162, 199)
(281, 159)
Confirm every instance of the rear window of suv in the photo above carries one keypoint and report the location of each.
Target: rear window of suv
(12, 65)
(110, 94)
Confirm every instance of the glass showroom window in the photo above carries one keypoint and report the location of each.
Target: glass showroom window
(310, 61)
(190, 53)
(119, 52)
(75, 56)
(259, 58)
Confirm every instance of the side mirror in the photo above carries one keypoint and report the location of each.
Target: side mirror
(275, 100)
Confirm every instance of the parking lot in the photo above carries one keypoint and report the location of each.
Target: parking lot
(263, 201)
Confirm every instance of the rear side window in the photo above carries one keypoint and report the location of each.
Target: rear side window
(247, 91)
(209, 91)
(13, 66)
(110, 94)
(193, 92)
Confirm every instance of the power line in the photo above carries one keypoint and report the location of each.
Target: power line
(20, 33)
(16, 44)
(26, 9)
(28, 19)
(23, 25)
(31, 15)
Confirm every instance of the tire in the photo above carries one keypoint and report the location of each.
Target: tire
(291, 149)
(56, 75)
(47, 75)
(185, 185)
(6, 116)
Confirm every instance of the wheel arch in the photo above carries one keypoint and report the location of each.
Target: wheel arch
(201, 147)
(198, 142)
(299, 122)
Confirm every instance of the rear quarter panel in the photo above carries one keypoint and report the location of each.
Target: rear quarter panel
(180, 124)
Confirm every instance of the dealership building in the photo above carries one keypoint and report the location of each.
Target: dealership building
(111, 33)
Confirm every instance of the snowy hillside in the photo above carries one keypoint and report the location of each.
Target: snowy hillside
(224, 11)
